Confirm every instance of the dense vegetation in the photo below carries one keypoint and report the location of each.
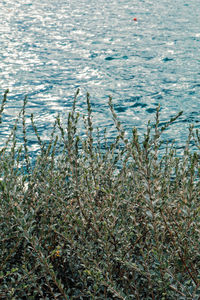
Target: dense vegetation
(88, 219)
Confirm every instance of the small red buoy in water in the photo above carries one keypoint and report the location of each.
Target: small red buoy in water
(135, 19)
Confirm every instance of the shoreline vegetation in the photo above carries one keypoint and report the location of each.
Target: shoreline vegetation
(90, 219)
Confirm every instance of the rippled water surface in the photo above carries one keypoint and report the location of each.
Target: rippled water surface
(50, 48)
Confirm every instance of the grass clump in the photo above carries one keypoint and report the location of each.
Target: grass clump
(90, 219)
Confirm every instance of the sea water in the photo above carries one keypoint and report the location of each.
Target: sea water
(141, 52)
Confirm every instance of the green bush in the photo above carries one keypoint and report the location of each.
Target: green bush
(89, 219)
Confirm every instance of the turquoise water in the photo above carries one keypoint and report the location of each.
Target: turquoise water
(50, 48)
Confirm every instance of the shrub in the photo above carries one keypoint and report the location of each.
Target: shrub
(88, 219)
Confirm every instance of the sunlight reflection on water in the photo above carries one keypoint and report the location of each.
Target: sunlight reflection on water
(49, 50)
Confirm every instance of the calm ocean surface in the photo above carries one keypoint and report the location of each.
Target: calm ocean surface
(50, 48)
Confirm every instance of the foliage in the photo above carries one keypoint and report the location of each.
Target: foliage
(90, 219)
